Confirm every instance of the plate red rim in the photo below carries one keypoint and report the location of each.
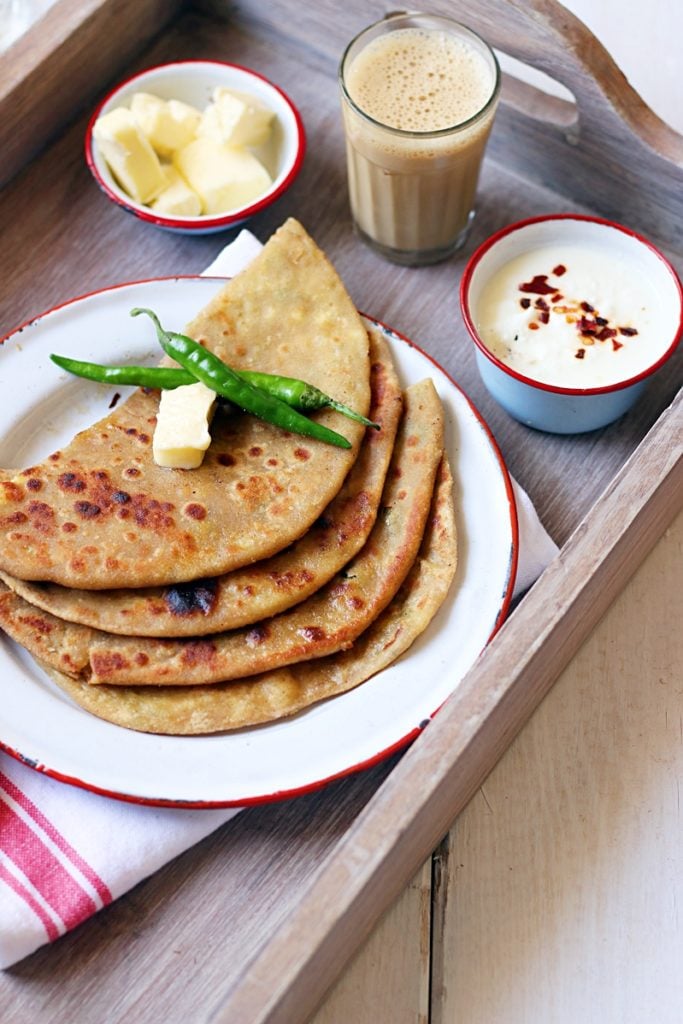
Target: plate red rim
(379, 756)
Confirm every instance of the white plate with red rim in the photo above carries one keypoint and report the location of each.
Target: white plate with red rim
(40, 410)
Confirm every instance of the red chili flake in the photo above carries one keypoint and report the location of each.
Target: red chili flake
(587, 327)
(587, 308)
(558, 297)
(544, 316)
(616, 345)
(533, 326)
(628, 331)
(525, 303)
(580, 353)
(538, 285)
(541, 304)
(559, 270)
(601, 320)
(605, 333)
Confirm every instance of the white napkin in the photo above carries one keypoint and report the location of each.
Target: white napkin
(66, 853)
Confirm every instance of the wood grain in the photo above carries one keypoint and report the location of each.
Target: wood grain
(53, 71)
(177, 948)
(388, 978)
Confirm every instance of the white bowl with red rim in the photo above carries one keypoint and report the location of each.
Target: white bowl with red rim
(193, 82)
(601, 329)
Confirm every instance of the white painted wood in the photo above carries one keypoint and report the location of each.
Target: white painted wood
(565, 872)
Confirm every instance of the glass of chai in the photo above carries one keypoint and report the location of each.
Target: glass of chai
(419, 94)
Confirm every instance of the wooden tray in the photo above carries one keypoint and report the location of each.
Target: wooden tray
(256, 922)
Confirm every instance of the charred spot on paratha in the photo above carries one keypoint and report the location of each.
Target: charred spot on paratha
(197, 597)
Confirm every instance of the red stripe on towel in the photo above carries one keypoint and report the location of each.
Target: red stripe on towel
(31, 902)
(57, 838)
(27, 850)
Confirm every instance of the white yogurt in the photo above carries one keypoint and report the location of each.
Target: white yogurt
(602, 317)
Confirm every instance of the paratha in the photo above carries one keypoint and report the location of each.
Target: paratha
(328, 621)
(273, 695)
(101, 514)
(267, 587)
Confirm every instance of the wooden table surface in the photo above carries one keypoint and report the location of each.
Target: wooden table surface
(554, 897)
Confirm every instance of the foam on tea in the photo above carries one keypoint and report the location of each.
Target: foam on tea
(419, 81)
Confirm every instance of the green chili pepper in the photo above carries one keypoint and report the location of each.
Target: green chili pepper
(213, 372)
(164, 377)
(296, 393)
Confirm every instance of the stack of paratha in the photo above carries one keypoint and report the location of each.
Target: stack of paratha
(281, 572)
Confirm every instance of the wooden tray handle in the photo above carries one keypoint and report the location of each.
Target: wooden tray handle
(616, 154)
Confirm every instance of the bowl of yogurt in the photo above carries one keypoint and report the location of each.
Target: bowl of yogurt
(570, 315)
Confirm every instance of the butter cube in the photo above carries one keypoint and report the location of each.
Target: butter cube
(236, 118)
(168, 125)
(224, 177)
(210, 125)
(181, 435)
(129, 155)
(177, 199)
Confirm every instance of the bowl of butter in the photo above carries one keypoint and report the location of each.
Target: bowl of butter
(570, 316)
(195, 146)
